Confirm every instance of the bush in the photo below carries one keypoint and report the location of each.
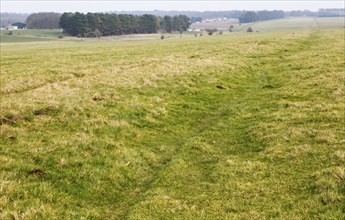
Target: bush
(220, 32)
(60, 36)
(162, 36)
(250, 29)
(201, 34)
(10, 33)
(97, 33)
(195, 35)
(231, 28)
(211, 31)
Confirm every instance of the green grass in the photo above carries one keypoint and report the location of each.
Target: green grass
(30, 35)
(54, 33)
(139, 130)
(20, 39)
(295, 23)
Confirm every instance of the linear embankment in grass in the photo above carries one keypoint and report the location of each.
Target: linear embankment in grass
(228, 127)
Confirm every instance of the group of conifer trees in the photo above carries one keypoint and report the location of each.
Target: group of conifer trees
(101, 24)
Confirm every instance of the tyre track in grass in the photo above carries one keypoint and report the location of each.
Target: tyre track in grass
(224, 105)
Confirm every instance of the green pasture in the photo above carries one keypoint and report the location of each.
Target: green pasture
(232, 126)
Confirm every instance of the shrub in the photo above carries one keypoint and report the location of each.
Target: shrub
(10, 33)
(97, 33)
(162, 36)
(220, 32)
(195, 35)
(231, 28)
(211, 31)
(60, 36)
(250, 29)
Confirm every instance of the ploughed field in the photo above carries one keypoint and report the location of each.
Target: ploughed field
(214, 127)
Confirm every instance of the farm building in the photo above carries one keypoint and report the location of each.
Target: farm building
(11, 27)
(20, 25)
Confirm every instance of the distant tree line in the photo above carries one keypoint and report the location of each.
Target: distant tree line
(331, 12)
(176, 23)
(196, 14)
(252, 16)
(96, 24)
(195, 19)
(43, 20)
(10, 18)
(300, 13)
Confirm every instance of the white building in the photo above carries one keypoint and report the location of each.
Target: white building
(11, 27)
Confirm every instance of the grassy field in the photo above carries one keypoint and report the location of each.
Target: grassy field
(243, 126)
(21, 39)
(287, 24)
(30, 35)
(295, 23)
(220, 25)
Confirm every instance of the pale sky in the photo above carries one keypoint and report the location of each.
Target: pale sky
(28, 6)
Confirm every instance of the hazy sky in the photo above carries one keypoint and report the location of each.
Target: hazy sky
(103, 6)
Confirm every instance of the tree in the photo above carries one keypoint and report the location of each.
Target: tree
(211, 31)
(84, 25)
(167, 24)
(93, 21)
(65, 22)
(125, 23)
(97, 33)
(134, 21)
(195, 19)
(180, 23)
(149, 24)
(43, 21)
(248, 16)
(231, 28)
(270, 15)
(80, 24)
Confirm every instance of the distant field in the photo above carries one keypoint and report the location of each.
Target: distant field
(21, 39)
(30, 35)
(220, 25)
(235, 126)
(301, 23)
